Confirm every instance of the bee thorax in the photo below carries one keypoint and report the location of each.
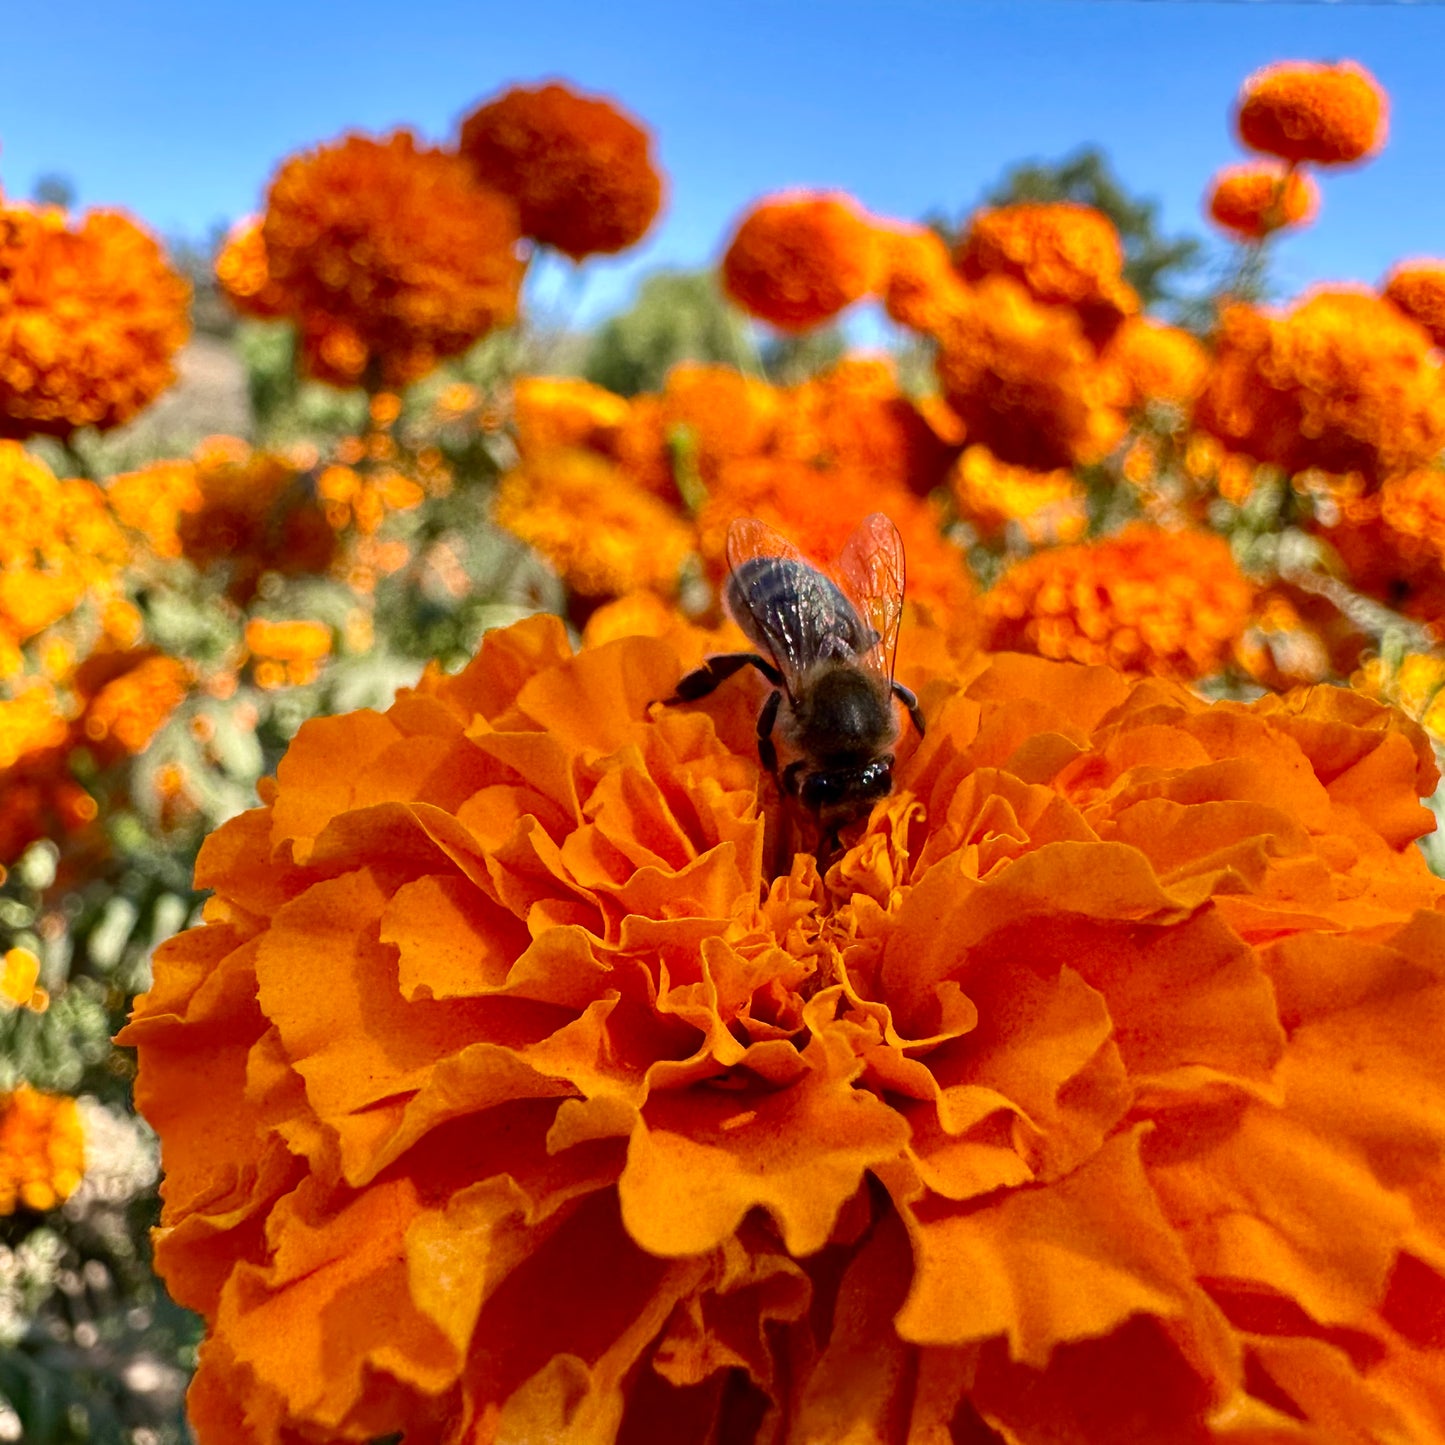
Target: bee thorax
(842, 716)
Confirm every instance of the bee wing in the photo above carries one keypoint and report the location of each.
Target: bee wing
(872, 570)
(786, 606)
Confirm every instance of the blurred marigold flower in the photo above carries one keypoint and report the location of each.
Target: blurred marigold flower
(1328, 114)
(389, 256)
(1415, 684)
(129, 696)
(245, 274)
(1258, 198)
(42, 1150)
(19, 975)
(1342, 382)
(918, 284)
(1064, 254)
(298, 646)
(579, 168)
(798, 259)
(91, 317)
(1418, 289)
(600, 533)
(1158, 362)
(1093, 1095)
(992, 496)
(1296, 637)
(1025, 382)
(564, 411)
(1144, 600)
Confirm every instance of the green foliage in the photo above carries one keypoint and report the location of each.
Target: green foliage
(678, 316)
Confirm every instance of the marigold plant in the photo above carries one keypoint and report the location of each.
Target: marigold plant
(1146, 600)
(1258, 198)
(389, 256)
(1065, 254)
(1328, 114)
(1342, 382)
(797, 260)
(1026, 382)
(91, 317)
(1418, 289)
(42, 1150)
(579, 168)
(1091, 1096)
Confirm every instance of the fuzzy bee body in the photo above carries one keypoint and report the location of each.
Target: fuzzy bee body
(827, 646)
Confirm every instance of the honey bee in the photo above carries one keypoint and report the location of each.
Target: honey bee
(827, 645)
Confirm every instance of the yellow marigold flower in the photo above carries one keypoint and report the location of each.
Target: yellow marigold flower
(601, 534)
(990, 495)
(58, 544)
(1328, 114)
(1145, 600)
(1418, 289)
(1063, 253)
(1415, 683)
(798, 259)
(389, 256)
(42, 1150)
(1343, 382)
(1258, 198)
(129, 695)
(91, 317)
(244, 272)
(579, 167)
(1092, 1094)
(19, 975)
(564, 411)
(1158, 362)
(1026, 382)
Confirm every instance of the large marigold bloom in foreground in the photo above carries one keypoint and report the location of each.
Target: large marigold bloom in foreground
(1092, 1097)
(1328, 114)
(390, 257)
(579, 168)
(42, 1150)
(1418, 289)
(1146, 600)
(798, 260)
(1025, 381)
(1257, 199)
(1065, 254)
(1343, 382)
(91, 317)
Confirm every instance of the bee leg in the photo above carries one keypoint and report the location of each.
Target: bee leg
(767, 749)
(792, 775)
(716, 670)
(909, 700)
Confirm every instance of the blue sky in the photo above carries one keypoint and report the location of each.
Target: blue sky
(180, 111)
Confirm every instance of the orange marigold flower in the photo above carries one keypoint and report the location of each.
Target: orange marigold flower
(297, 646)
(719, 415)
(1145, 600)
(129, 696)
(390, 256)
(245, 273)
(1064, 253)
(797, 259)
(601, 534)
(579, 168)
(91, 317)
(563, 411)
(1328, 114)
(1343, 382)
(1258, 198)
(1158, 362)
(1418, 289)
(1025, 381)
(919, 287)
(992, 496)
(42, 1150)
(1092, 1094)
(59, 544)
